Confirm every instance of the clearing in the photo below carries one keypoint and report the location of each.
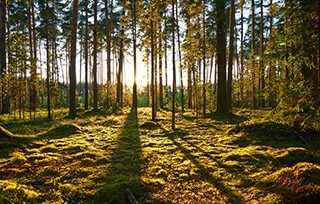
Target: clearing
(241, 158)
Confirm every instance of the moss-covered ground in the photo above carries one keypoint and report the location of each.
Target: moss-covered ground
(234, 158)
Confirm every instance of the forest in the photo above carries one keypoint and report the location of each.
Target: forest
(160, 101)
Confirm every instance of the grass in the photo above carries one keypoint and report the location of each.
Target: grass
(234, 158)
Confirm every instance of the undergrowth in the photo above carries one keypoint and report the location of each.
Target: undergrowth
(245, 157)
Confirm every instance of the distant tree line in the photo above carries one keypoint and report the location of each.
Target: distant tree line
(236, 53)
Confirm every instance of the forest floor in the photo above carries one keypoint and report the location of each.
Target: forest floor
(235, 158)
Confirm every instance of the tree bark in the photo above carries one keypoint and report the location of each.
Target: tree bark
(253, 77)
(221, 52)
(180, 61)
(261, 50)
(109, 23)
(173, 67)
(48, 61)
(241, 60)
(231, 49)
(32, 45)
(86, 60)
(153, 102)
(134, 35)
(3, 58)
(95, 52)
(204, 98)
(72, 70)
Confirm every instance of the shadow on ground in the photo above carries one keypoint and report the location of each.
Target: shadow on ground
(205, 172)
(124, 170)
(274, 135)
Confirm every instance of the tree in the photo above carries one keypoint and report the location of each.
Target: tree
(261, 52)
(33, 56)
(180, 59)
(95, 51)
(153, 90)
(221, 52)
(241, 55)
(231, 48)
(204, 99)
(48, 60)
(3, 55)
(72, 70)
(108, 8)
(134, 36)
(86, 56)
(173, 66)
(252, 57)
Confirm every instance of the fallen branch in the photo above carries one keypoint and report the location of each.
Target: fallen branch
(131, 198)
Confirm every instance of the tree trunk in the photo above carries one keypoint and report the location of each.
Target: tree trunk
(261, 65)
(152, 74)
(204, 100)
(134, 35)
(173, 67)
(120, 72)
(160, 73)
(95, 52)
(241, 60)
(180, 61)
(231, 49)
(253, 94)
(109, 38)
(48, 61)
(32, 45)
(3, 58)
(72, 70)
(221, 51)
(86, 60)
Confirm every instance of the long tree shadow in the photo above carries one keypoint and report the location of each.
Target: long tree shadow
(124, 171)
(228, 117)
(206, 174)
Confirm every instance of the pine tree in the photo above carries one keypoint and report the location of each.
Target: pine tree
(221, 51)
(72, 70)
(3, 56)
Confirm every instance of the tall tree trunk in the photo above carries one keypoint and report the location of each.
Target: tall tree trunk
(180, 60)
(152, 74)
(261, 50)
(173, 67)
(155, 65)
(109, 38)
(134, 35)
(72, 70)
(48, 61)
(160, 71)
(241, 59)
(120, 71)
(231, 49)
(286, 49)
(166, 57)
(86, 60)
(253, 70)
(32, 45)
(189, 87)
(3, 58)
(221, 51)
(271, 68)
(189, 71)
(95, 52)
(204, 99)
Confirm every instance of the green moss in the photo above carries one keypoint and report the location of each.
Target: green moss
(241, 158)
